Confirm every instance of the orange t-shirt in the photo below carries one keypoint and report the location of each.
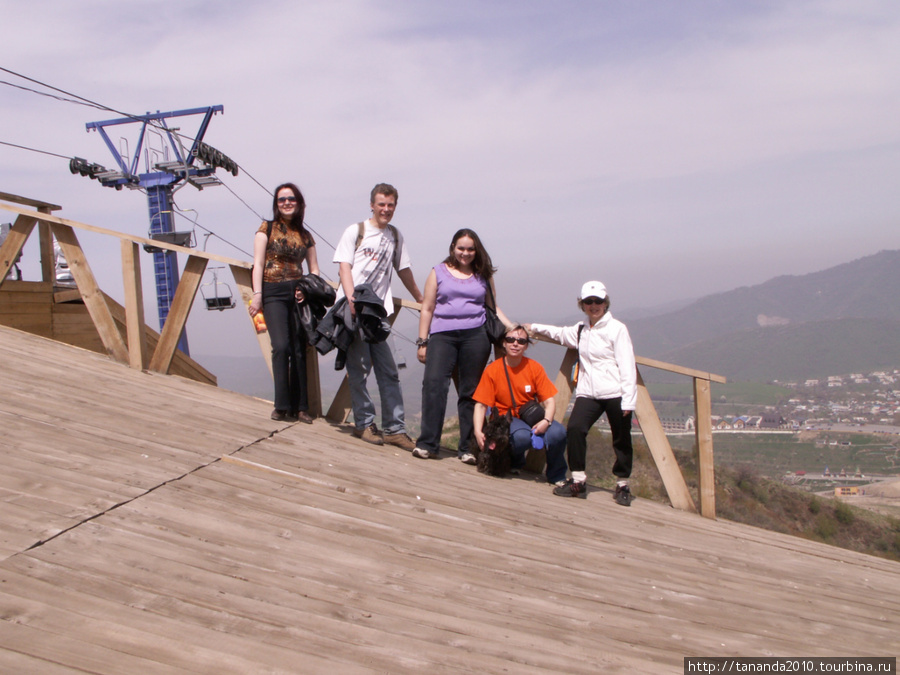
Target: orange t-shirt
(528, 380)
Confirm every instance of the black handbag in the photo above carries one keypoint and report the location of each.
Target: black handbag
(531, 412)
(493, 326)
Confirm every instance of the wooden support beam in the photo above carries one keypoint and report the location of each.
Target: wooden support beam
(313, 383)
(662, 453)
(90, 292)
(12, 245)
(48, 258)
(43, 207)
(134, 305)
(244, 282)
(178, 314)
(681, 370)
(703, 430)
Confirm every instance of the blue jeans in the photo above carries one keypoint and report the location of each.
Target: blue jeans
(467, 350)
(362, 358)
(554, 446)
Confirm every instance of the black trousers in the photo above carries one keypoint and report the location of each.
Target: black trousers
(585, 413)
(288, 346)
(468, 350)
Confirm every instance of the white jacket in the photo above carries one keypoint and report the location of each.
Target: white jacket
(606, 367)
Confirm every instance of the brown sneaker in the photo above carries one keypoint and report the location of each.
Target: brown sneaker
(370, 434)
(401, 440)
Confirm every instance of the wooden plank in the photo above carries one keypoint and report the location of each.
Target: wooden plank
(703, 431)
(178, 314)
(661, 451)
(304, 549)
(26, 287)
(68, 295)
(681, 370)
(134, 305)
(15, 240)
(45, 207)
(122, 235)
(91, 293)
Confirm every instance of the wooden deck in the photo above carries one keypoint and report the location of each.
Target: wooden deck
(152, 524)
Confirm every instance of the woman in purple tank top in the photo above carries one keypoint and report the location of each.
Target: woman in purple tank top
(452, 335)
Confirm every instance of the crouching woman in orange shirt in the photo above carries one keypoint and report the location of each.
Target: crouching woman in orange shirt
(528, 381)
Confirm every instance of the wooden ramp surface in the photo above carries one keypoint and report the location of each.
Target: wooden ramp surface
(151, 524)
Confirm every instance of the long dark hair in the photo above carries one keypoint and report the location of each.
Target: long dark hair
(481, 263)
(296, 222)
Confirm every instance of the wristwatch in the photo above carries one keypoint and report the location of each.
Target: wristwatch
(422, 342)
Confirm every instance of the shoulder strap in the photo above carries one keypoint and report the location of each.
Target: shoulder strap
(514, 409)
(397, 247)
(575, 368)
(362, 231)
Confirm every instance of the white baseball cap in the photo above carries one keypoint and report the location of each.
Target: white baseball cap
(593, 289)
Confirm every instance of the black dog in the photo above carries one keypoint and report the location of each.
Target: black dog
(495, 459)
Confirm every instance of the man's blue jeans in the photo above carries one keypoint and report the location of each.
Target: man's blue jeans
(362, 358)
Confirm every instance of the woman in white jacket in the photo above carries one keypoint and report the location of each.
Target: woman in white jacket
(607, 382)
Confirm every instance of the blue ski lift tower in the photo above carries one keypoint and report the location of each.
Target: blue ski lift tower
(168, 167)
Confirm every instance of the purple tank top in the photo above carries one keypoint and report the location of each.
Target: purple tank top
(460, 302)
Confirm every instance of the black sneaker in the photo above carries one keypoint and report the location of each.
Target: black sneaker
(623, 495)
(571, 489)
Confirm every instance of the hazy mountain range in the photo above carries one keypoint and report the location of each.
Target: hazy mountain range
(839, 320)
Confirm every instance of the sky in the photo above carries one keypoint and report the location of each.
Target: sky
(669, 149)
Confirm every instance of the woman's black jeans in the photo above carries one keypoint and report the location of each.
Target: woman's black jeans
(288, 346)
(585, 413)
(468, 350)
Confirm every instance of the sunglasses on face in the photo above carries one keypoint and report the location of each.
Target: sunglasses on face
(282, 200)
(593, 301)
(510, 340)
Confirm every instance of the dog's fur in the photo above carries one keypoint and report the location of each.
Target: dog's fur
(495, 459)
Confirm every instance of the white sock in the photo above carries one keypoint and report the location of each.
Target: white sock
(579, 476)
(622, 483)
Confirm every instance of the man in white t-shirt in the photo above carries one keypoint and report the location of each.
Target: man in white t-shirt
(372, 260)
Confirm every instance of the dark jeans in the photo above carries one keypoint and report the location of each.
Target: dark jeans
(468, 350)
(585, 412)
(288, 346)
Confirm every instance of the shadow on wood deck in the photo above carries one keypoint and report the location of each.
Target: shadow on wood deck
(150, 523)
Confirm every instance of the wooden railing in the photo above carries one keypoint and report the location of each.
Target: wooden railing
(133, 350)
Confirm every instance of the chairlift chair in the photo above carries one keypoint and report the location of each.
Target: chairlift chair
(217, 294)
(185, 238)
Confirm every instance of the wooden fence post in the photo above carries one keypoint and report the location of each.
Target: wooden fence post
(134, 305)
(703, 431)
